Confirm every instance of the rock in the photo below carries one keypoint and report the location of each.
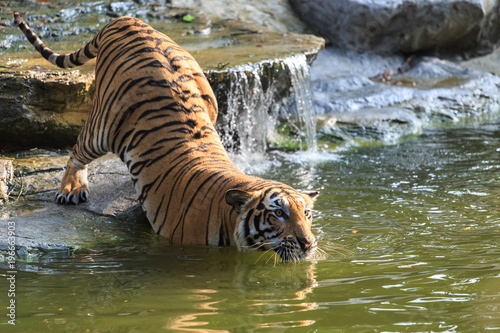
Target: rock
(6, 175)
(112, 192)
(39, 173)
(275, 15)
(382, 124)
(361, 87)
(440, 27)
(111, 215)
(445, 91)
(489, 63)
(43, 108)
(65, 228)
(48, 106)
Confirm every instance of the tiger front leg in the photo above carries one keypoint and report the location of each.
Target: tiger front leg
(73, 189)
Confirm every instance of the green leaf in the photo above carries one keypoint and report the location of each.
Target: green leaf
(188, 18)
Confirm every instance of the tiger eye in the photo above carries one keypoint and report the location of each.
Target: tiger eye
(278, 213)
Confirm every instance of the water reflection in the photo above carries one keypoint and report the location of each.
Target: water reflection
(259, 291)
(156, 287)
(191, 322)
(487, 304)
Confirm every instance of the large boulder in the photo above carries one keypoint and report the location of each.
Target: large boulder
(441, 27)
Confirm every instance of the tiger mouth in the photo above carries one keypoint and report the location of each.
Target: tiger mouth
(291, 252)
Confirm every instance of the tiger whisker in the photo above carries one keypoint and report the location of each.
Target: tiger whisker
(264, 253)
(320, 254)
(295, 258)
(275, 256)
(339, 250)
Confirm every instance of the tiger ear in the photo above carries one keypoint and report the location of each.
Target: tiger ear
(237, 199)
(311, 194)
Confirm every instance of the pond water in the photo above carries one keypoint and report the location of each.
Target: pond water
(410, 234)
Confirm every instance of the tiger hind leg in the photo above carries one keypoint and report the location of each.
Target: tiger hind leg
(74, 188)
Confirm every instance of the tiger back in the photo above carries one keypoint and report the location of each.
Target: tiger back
(155, 109)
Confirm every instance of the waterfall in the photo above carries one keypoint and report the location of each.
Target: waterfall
(262, 100)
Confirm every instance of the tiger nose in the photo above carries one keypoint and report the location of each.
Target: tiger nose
(304, 243)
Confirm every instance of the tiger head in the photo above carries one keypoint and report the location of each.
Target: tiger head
(278, 219)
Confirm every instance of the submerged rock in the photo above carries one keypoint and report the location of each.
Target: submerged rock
(441, 27)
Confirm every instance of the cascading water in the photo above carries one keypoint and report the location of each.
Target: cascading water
(301, 105)
(244, 125)
(257, 116)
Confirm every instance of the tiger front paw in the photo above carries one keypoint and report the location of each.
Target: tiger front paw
(73, 189)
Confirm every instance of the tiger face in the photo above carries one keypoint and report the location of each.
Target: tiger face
(278, 220)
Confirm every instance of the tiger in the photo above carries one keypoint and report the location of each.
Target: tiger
(155, 109)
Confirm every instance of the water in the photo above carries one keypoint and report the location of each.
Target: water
(255, 119)
(247, 116)
(301, 114)
(411, 235)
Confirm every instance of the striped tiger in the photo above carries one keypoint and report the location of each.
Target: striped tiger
(155, 109)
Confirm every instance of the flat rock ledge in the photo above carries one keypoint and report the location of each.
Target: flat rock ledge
(46, 106)
(112, 215)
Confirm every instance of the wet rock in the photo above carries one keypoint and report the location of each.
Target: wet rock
(38, 175)
(41, 225)
(43, 108)
(445, 91)
(433, 90)
(441, 27)
(382, 124)
(112, 192)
